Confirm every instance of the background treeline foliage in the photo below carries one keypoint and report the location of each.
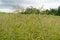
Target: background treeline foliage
(50, 11)
(31, 10)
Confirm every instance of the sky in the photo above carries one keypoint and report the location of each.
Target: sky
(8, 5)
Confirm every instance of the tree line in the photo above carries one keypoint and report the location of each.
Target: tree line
(50, 11)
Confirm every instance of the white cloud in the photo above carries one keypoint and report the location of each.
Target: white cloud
(6, 10)
(35, 3)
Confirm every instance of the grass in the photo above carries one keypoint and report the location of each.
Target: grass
(29, 27)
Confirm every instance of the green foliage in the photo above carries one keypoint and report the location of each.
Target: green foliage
(45, 12)
(53, 11)
(32, 10)
(58, 11)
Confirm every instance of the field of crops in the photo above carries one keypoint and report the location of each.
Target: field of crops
(29, 27)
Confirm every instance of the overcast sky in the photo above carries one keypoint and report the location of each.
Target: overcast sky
(11, 4)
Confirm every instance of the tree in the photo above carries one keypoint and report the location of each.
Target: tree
(58, 12)
(53, 11)
(32, 10)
